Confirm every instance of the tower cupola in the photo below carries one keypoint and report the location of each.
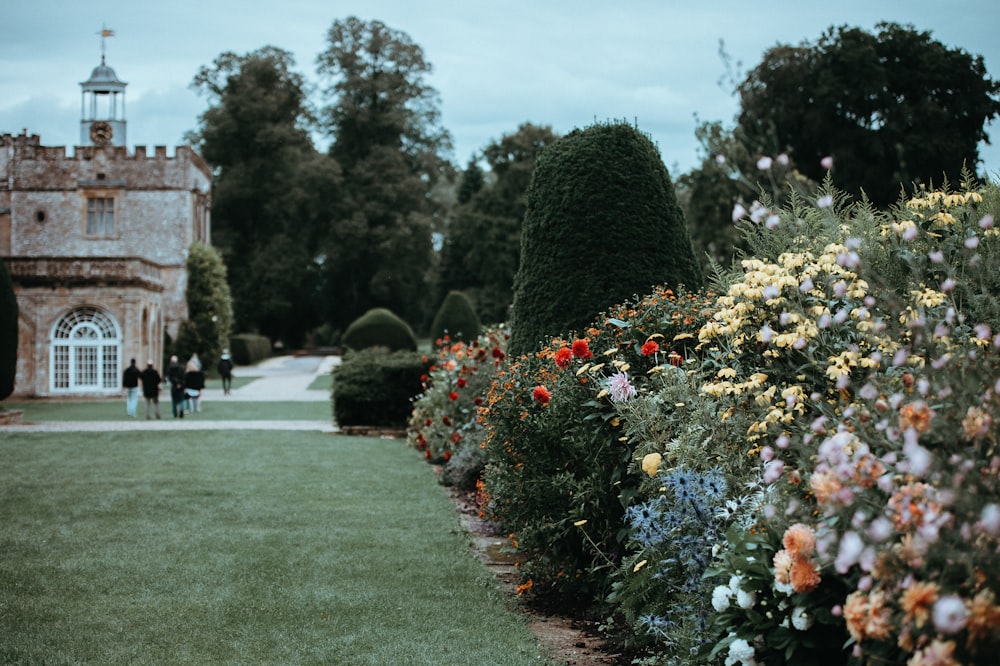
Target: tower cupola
(102, 115)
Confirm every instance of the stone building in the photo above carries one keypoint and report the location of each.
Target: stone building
(96, 243)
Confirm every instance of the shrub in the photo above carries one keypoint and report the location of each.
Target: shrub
(602, 225)
(456, 319)
(249, 348)
(380, 327)
(8, 333)
(444, 423)
(557, 454)
(375, 387)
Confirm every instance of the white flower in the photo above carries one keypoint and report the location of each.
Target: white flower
(826, 162)
(764, 163)
(740, 652)
(825, 201)
(850, 549)
(746, 599)
(738, 212)
(801, 619)
(720, 598)
(783, 159)
(620, 388)
(989, 519)
(949, 615)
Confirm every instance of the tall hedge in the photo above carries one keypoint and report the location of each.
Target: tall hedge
(456, 318)
(602, 225)
(8, 333)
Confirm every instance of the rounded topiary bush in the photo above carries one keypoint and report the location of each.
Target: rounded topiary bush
(374, 387)
(602, 226)
(456, 318)
(380, 327)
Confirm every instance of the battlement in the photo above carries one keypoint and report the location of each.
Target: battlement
(29, 147)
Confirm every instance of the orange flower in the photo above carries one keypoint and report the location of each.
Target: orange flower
(916, 415)
(782, 567)
(799, 541)
(804, 577)
(917, 602)
(856, 615)
(984, 618)
(825, 486)
(938, 653)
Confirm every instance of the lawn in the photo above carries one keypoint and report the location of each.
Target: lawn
(239, 548)
(224, 410)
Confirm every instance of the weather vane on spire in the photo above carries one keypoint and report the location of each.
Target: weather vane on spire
(104, 33)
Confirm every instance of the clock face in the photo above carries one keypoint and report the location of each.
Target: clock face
(100, 133)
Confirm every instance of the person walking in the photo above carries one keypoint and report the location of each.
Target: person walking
(130, 381)
(194, 382)
(175, 375)
(226, 372)
(151, 381)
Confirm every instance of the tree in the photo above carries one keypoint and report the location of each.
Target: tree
(273, 192)
(210, 307)
(602, 225)
(8, 333)
(893, 108)
(483, 244)
(384, 121)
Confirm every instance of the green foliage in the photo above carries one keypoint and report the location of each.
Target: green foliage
(210, 308)
(380, 327)
(557, 453)
(483, 244)
(602, 225)
(385, 125)
(249, 348)
(456, 319)
(8, 333)
(893, 108)
(272, 193)
(375, 387)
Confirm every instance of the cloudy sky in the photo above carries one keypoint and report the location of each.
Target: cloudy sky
(563, 63)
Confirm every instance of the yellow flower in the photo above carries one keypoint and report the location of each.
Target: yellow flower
(726, 373)
(639, 566)
(943, 219)
(580, 523)
(651, 463)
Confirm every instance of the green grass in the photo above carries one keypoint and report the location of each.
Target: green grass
(224, 409)
(239, 548)
(322, 382)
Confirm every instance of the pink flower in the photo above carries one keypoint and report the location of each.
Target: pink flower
(826, 162)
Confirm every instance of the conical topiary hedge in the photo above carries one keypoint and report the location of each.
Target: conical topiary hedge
(602, 225)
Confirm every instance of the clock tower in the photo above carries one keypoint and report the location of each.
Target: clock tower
(102, 117)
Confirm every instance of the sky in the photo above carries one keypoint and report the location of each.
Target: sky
(496, 65)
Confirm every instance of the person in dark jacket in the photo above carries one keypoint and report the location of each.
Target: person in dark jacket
(151, 381)
(226, 372)
(194, 382)
(130, 382)
(175, 375)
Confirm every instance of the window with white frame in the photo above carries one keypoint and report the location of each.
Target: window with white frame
(100, 216)
(85, 352)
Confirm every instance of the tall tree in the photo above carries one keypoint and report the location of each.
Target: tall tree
(210, 307)
(893, 108)
(273, 192)
(8, 333)
(385, 125)
(482, 248)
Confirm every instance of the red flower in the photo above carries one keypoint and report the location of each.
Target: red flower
(428, 421)
(461, 382)
(563, 357)
(676, 359)
(447, 456)
(541, 394)
(650, 347)
(453, 396)
(581, 349)
(498, 353)
(427, 454)
(445, 420)
(477, 401)
(456, 437)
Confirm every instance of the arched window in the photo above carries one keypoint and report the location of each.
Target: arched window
(86, 347)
